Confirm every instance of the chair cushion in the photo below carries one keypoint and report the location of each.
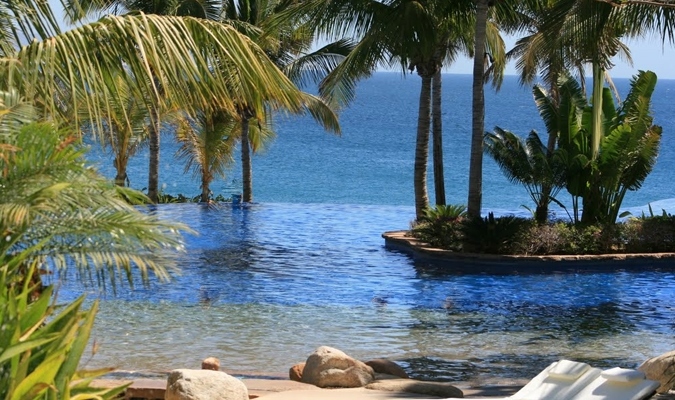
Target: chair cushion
(622, 375)
(568, 370)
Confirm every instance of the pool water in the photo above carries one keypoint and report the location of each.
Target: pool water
(263, 285)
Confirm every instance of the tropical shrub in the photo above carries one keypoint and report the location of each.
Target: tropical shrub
(442, 226)
(48, 195)
(529, 163)
(494, 235)
(650, 235)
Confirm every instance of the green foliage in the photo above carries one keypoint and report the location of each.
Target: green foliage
(494, 235)
(166, 198)
(626, 154)
(441, 226)
(653, 234)
(565, 238)
(40, 347)
(528, 163)
(48, 194)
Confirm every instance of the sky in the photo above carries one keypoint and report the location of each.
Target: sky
(647, 54)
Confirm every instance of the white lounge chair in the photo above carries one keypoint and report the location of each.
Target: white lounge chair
(559, 381)
(618, 384)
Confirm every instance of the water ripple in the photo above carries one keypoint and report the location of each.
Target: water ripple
(263, 285)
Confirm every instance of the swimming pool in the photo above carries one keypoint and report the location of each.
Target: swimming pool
(263, 285)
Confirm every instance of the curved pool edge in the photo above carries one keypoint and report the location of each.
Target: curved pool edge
(510, 264)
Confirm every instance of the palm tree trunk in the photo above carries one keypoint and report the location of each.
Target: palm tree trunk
(478, 113)
(206, 183)
(541, 212)
(246, 168)
(422, 148)
(121, 175)
(437, 133)
(153, 167)
(598, 83)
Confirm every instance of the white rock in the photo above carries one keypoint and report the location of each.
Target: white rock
(202, 384)
(329, 367)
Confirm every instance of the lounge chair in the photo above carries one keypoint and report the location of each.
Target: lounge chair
(559, 381)
(618, 384)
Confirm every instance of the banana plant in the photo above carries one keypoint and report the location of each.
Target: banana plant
(627, 151)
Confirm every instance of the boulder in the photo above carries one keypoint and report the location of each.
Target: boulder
(201, 384)
(329, 367)
(295, 372)
(383, 366)
(211, 363)
(440, 389)
(661, 369)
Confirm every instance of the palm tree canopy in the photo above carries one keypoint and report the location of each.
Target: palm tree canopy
(57, 211)
(63, 73)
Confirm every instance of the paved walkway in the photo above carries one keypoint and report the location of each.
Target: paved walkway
(283, 389)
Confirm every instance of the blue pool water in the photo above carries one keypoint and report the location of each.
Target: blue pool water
(262, 286)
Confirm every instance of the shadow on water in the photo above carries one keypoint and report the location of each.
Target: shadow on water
(573, 324)
(505, 366)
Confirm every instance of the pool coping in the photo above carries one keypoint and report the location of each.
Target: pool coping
(495, 263)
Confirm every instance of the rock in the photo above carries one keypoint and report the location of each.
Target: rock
(662, 369)
(201, 384)
(295, 372)
(440, 389)
(382, 366)
(329, 367)
(211, 363)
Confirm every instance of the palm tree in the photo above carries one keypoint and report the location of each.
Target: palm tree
(488, 61)
(125, 126)
(456, 40)
(478, 112)
(528, 162)
(207, 145)
(535, 55)
(288, 44)
(416, 36)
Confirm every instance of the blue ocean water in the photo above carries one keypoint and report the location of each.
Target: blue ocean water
(372, 161)
(262, 285)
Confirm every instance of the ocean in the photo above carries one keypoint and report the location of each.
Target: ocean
(371, 162)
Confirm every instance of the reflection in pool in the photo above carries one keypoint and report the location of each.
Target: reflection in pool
(263, 285)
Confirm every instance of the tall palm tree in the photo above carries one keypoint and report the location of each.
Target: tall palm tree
(456, 40)
(287, 42)
(478, 112)
(486, 11)
(414, 35)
